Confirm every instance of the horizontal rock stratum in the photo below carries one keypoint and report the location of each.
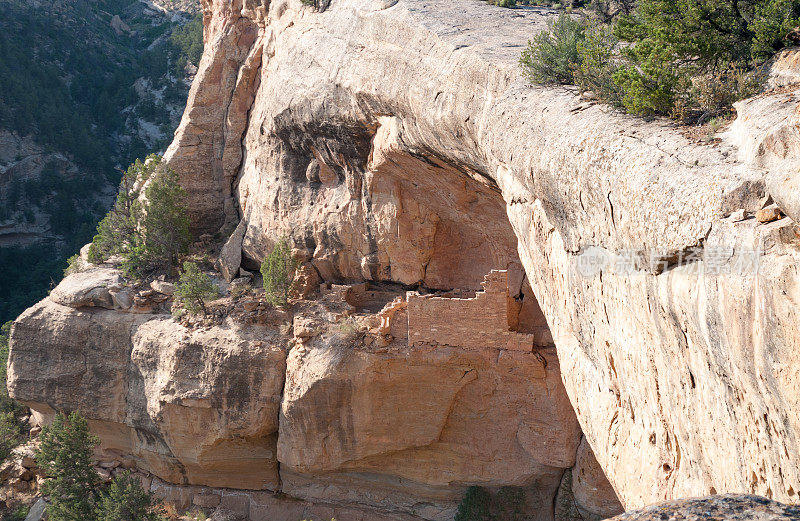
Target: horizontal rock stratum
(398, 143)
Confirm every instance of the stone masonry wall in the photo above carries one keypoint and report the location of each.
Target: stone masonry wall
(477, 323)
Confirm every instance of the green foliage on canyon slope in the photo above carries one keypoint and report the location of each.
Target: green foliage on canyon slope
(195, 288)
(278, 272)
(65, 455)
(149, 224)
(73, 486)
(68, 80)
(688, 59)
(126, 500)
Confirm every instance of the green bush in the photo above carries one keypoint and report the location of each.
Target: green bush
(65, 455)
(194, 288)
(278, 272)
(18, 514)
(73, 265)
(164, 222)
(10, 434)
(671, 44)
(688, 59)
(597, 64)
(474, 506)
(51, 91)
(552, 56)
(149, 233)
(480, 504)
(503, 3)
(126, 500)
(189, 39)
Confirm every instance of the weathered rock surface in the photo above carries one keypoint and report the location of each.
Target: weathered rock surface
(406, 425)
(92, 287)
(785, 70)
(591, 489)
(190, 406)
(727, 507)
(385, 422)
(400, 144)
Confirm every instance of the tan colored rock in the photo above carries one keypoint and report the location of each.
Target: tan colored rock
(429, 415)
(306, 281)
(590, 487)
(119, 26)
(206, 500)
(785, 69)
(105, 475)
(185, 405)
(64, 356)
(219, 438)
(222, 514)
(402, 144)
(165, 288)
(766, 215)
(88, 288)
(305, 327)
(223, 90)
(230, 257)
(352, 150)
(122, 298)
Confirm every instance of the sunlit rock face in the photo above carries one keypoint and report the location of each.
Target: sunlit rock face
(398, 144)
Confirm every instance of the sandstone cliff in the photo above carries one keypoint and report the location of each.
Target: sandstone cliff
(399, 142)
(368, 398)
(396, 143)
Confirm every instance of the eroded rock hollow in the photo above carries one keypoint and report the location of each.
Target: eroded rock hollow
(530, 267)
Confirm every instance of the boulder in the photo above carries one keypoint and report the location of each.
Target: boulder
(165, 288)
(766, 215)
(37, 511)
(89, 288)
(118, 25)
(121, 297)
(431, 416)
(784, 186)
(199, 405)
(230, 257)
(241, 284)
